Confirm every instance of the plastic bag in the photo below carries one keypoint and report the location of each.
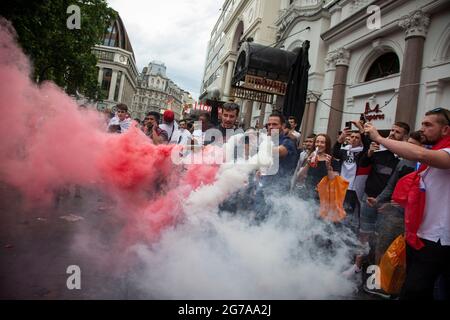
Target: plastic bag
(332, 195)
(393, 266)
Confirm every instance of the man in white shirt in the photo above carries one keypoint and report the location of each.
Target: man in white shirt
(185, 136)
(199, 133)
(428, 243)
(170, 126)
(121, 118)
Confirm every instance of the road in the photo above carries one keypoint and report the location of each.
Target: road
(37, 247)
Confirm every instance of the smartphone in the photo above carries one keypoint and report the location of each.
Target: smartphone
(348, 124)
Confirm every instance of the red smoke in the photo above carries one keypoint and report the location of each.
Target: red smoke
(48, 142)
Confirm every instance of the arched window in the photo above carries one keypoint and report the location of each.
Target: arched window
(383, 66)
(111, 38)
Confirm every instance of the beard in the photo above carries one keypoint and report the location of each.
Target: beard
(429, 141)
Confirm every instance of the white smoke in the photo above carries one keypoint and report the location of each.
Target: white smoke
(212, 255)
(229, 257)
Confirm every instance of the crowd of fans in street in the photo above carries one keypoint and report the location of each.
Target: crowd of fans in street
(397, 185)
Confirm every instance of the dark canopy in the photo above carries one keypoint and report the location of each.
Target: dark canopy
(295, 98)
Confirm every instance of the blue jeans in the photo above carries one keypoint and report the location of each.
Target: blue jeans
(368, 217)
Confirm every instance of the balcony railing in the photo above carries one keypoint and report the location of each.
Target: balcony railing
(104, 55)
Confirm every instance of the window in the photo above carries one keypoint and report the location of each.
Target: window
(383, 66)
(117, 89)
(106, 82)
(111, 37)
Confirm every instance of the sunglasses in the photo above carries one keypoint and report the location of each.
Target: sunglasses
(443, 112)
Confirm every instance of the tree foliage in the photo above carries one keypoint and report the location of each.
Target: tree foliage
(58, 53)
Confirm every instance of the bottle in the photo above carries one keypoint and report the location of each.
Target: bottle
(313, 163)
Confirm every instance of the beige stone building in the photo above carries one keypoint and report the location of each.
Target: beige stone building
(156, 92)
(240, 20)
(401, 65)
(387, 59)
(117, 71)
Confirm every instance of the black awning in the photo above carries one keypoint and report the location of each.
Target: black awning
(262, 61)
(295, 98)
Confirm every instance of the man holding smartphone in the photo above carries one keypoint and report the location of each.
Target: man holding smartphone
(427, 210)
(382, 163)
(349, 154)
(152, 129)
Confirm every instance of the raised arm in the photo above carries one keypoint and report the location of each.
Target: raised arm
(433, 158)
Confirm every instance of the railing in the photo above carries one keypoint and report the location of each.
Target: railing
(104, 55)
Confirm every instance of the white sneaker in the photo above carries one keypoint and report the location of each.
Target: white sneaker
(350, 272)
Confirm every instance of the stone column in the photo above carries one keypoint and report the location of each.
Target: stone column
(100, 76)
(415, 25)
(262, 115)
(228, 78)
(341, 58)
(248, 113)
(303, 125)
(121, 84)
(112, 85)
(310, 116)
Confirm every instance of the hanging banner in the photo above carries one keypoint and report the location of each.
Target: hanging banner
(264, 85)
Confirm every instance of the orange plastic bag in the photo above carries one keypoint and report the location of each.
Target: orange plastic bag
(332, 195)
(393, 266)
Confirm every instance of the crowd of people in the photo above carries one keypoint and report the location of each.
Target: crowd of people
(394, 185)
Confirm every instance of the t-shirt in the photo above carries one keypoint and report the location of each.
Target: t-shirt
(124, 125)
(288, 163)
(436, 219)
(199, 136)
(184, 137)
(286, 167)
(383, 164)
(160, 132)
(297, 136)
(172, 131)
(349, 165)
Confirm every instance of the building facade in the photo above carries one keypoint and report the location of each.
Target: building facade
(240, 20)
(117, 71)
(156, 92)
(388, 59)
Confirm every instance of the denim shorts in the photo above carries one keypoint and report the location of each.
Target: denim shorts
(368, 218)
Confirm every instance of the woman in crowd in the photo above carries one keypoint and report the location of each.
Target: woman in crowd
(319, 164)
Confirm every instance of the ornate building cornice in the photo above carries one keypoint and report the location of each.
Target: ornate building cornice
(415, 24)
(295, 11)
